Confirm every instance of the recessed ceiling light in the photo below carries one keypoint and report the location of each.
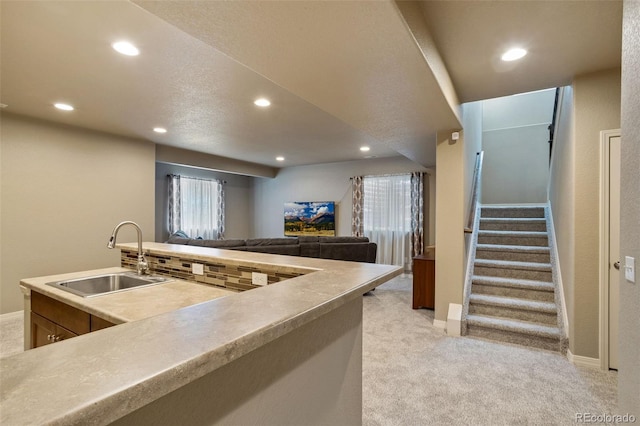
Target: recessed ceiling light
(280, 158)
(126, 48)
(160, 130)
(364, 148)
(262, 102)
(513, 54)
(64, 107)
(3, 105)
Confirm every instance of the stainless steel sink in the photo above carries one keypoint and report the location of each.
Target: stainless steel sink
(108, 283)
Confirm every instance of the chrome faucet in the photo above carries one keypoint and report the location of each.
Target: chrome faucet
(143, 266)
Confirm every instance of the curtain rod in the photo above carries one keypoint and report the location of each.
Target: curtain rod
(196, 178)
(391, 174)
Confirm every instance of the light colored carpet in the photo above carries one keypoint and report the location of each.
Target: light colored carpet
(413, 374)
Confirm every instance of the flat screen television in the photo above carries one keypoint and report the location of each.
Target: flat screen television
(313, 218)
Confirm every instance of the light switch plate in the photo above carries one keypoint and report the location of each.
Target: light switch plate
(197, 268)
(630, 269)
(258, 279)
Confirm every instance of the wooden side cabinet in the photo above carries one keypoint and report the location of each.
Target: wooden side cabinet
(424, 281)
(53, 321)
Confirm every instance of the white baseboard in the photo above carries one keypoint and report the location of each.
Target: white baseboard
(563, 303)
(440, 324)
(583, 361)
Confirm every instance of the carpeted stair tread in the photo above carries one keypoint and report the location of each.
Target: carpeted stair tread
(510, 264)
(513, 283)
(519, 249)
(513, 219)
(526, 234)
(513, 303)
(512, 211)
(514, 326)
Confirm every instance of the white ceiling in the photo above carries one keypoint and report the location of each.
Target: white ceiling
(340, 74)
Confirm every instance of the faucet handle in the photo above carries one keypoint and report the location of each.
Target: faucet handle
(143, 265)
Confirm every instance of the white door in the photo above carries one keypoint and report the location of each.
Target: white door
(614, 248)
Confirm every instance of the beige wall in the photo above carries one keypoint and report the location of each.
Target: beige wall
(515, 141)
(516, 165)
(238, 200)
(321, 182)
(312, 375)
(574, 198)
(562, 199)
(173, 155)
(597, 108)
(629, 355)
(450, 222)
(63, 191)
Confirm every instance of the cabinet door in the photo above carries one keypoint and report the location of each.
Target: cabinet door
(45, 332)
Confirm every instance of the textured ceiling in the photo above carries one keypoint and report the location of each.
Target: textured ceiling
(340, 74)
(564, 39)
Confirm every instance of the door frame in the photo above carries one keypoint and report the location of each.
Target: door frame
(605, 137)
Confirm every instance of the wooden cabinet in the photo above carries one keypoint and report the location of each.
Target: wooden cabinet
(424, 281)
(45, 332)
(53, 321)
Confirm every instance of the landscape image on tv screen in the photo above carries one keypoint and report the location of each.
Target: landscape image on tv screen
(315, 218)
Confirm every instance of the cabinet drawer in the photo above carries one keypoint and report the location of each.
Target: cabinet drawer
(68, 317)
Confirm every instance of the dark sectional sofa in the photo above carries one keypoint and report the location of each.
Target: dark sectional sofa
(355, 249)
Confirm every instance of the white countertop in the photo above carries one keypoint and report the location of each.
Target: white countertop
(107, 374)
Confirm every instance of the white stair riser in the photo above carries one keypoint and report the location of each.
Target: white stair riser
(519, 293)
(514, 313)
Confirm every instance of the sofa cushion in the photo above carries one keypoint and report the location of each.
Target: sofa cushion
(290, 250)
(307, 239)
(309, 249)
(333, 240)
(179, 233)
(272, 241)
(355, 252)
(178, 240)
(217, 243)
(373, 253)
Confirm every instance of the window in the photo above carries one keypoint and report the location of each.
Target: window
(387, 216)
(196, 207)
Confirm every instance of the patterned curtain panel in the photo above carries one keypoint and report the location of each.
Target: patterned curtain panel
(357, 216)
(417, 213)
(174, 203)
(220, 209)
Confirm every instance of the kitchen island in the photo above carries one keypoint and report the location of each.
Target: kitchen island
(286, 353)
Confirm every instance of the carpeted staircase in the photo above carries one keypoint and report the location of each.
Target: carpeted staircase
(512, 295)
